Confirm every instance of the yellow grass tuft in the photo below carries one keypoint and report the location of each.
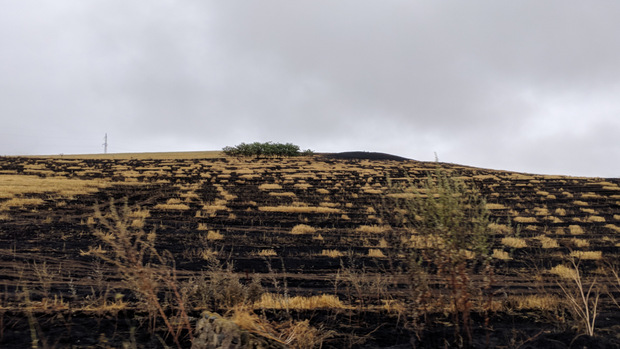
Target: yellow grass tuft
(501, 254)
(514, 242)
(500, 228)
(373, 229)
(172, 207)
(564, 272)
(270, 186)
(267, 253)
(525, 219)
(595, 219)
(613, 227)
(332, 253)
(277, 301)
(547, 242)
(580, 242)
(214, 235)
(590, 255)
(283, 194)
(495, 207)
(375, 252)
(15, 185)
(20, 202)
(299, 209)
(426, 241)
(575, 229)
(536, 301)
(301, 229)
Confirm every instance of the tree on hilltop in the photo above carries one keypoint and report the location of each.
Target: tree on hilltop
(267, 149)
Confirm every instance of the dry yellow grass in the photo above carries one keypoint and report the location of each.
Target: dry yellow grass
(525, 219)
(302, 186)
(613, 227)
(595, 219)
(514, 242)
(547, 242)
(426, 241)
(541, 211)
(301, 229)
(332, 253)
(373, 229)
(284, 194)
(575, 229)
(299, 209)
(267, 253)
(20, 202)
(144, 156)
(589, 255)
(140, 213)
(210, 210)
(501, 254)
(16, 185)
(495, 207)
(172, 207)
(564, 272)
(500, 228)
(546, 302)
(375, 252)
(270, 186)
(580, 243)
(214, 235)
(278, 301)
(590, 196)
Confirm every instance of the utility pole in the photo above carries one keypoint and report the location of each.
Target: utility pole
(105, 144)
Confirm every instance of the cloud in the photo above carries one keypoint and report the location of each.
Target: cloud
(485, 83)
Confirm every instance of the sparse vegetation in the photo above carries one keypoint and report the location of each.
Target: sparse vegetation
(302, 251)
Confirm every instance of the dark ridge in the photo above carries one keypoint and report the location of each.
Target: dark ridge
(364, 155)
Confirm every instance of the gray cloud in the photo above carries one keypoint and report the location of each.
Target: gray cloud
(527, 86)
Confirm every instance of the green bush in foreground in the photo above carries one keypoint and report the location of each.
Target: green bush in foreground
(267, 149)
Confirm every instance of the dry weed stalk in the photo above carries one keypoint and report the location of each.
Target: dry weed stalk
(583, 303)
(143, 269)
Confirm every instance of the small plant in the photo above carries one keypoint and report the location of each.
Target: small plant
(444, 209)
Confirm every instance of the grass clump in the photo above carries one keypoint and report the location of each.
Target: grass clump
(278, 301)
(514, 242)
(301, 229)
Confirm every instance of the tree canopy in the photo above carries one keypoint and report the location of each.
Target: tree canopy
(268, 149)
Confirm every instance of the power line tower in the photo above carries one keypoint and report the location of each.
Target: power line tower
(105, 144)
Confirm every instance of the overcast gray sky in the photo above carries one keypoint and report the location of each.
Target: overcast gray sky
(530, 86)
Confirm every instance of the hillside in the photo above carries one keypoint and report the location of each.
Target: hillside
(308, 226)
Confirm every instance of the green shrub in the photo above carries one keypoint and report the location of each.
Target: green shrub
(268, 149)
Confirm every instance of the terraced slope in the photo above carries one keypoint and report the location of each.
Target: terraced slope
(303, 224)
